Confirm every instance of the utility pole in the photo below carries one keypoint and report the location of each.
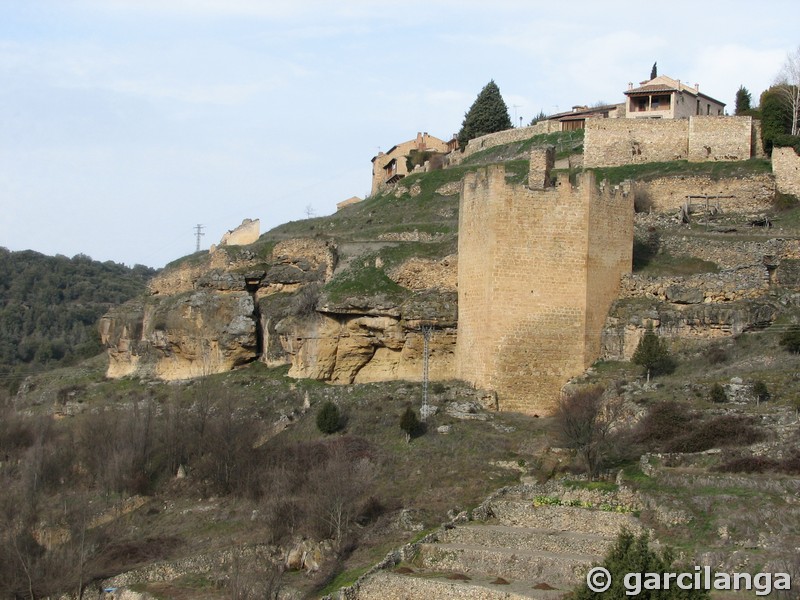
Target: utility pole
(198, 232)
(427, 331)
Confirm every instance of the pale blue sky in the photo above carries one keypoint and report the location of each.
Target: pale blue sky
(123, 123)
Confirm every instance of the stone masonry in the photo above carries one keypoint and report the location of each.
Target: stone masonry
(786, 167)
(616, 142)
(537, 272)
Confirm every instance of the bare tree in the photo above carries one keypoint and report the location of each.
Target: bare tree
(585, 422)
(788, 83)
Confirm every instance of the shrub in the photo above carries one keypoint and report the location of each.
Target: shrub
(717, 394)
(791, 339)
(760, 391)
(748, 464)
(632, 554)
(662, 422)
(725, 430)
(410, 423)
(329, 418)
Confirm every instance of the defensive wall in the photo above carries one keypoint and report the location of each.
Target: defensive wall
(750, 194)
(786, 169)
(491, 140)
(617, 142)
(537, 272)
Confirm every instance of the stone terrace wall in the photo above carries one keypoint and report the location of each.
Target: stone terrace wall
(515, 134)
(720, 138)
(528, 309)
(617, 142)
(786, 168)
(668, 194)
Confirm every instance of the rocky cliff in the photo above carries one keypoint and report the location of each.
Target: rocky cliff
(272, 302)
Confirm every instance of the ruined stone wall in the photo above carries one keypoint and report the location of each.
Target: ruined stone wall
(617, 142)
(720, 138)
(529, 310)
(490, 140)
(786, 168)
(668, 194)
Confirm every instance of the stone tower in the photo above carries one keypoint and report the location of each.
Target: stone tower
(537, 272)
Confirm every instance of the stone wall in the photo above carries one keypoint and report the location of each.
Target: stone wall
(515, 134)
(667, 194)
(616, 142)
(529, 312)
(786, 168)
(245, 234)
(720, 138)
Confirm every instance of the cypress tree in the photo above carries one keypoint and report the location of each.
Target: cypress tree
(654, 71)
(487, 114)
(652, 354)
(776, 117)
(743, 100)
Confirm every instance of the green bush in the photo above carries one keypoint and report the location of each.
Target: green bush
(632, 554)
(329, 418)
(717, 394)
(760, 391)
(410, 423)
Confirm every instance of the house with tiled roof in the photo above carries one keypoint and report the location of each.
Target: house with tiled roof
(667, 98)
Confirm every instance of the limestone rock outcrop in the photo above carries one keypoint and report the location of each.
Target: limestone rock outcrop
(214, 312)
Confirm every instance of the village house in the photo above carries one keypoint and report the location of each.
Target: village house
(390, 167)
(576, 118)
(667, 98)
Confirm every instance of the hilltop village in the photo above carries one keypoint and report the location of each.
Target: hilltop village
(518, 355)
(526, 290)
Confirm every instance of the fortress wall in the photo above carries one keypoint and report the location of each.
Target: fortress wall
(490, 140)
(720, 138)
(616, 142)
(668, 194)
(476, 250)
(525, 294)
(610, 255)
(786, 168)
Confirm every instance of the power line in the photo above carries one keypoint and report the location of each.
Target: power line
(198, 232)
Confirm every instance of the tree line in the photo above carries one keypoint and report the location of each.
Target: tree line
(50, 305)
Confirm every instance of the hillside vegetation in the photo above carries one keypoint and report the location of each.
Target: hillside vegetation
(49, 307)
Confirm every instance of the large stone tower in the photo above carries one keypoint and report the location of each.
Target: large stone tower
(538, 268)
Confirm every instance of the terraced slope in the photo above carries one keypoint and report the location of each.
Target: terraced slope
(519, 550)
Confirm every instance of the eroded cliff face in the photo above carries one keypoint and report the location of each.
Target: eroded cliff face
(236, 305)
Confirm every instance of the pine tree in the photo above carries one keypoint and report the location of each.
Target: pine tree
(632, 554)
(654, 71)
(487, 114)
(743, 100)
(652, 354)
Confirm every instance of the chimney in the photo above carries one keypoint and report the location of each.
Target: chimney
(696, 87)
(630, 85)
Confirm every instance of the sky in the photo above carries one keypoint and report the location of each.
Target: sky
(126, 123)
